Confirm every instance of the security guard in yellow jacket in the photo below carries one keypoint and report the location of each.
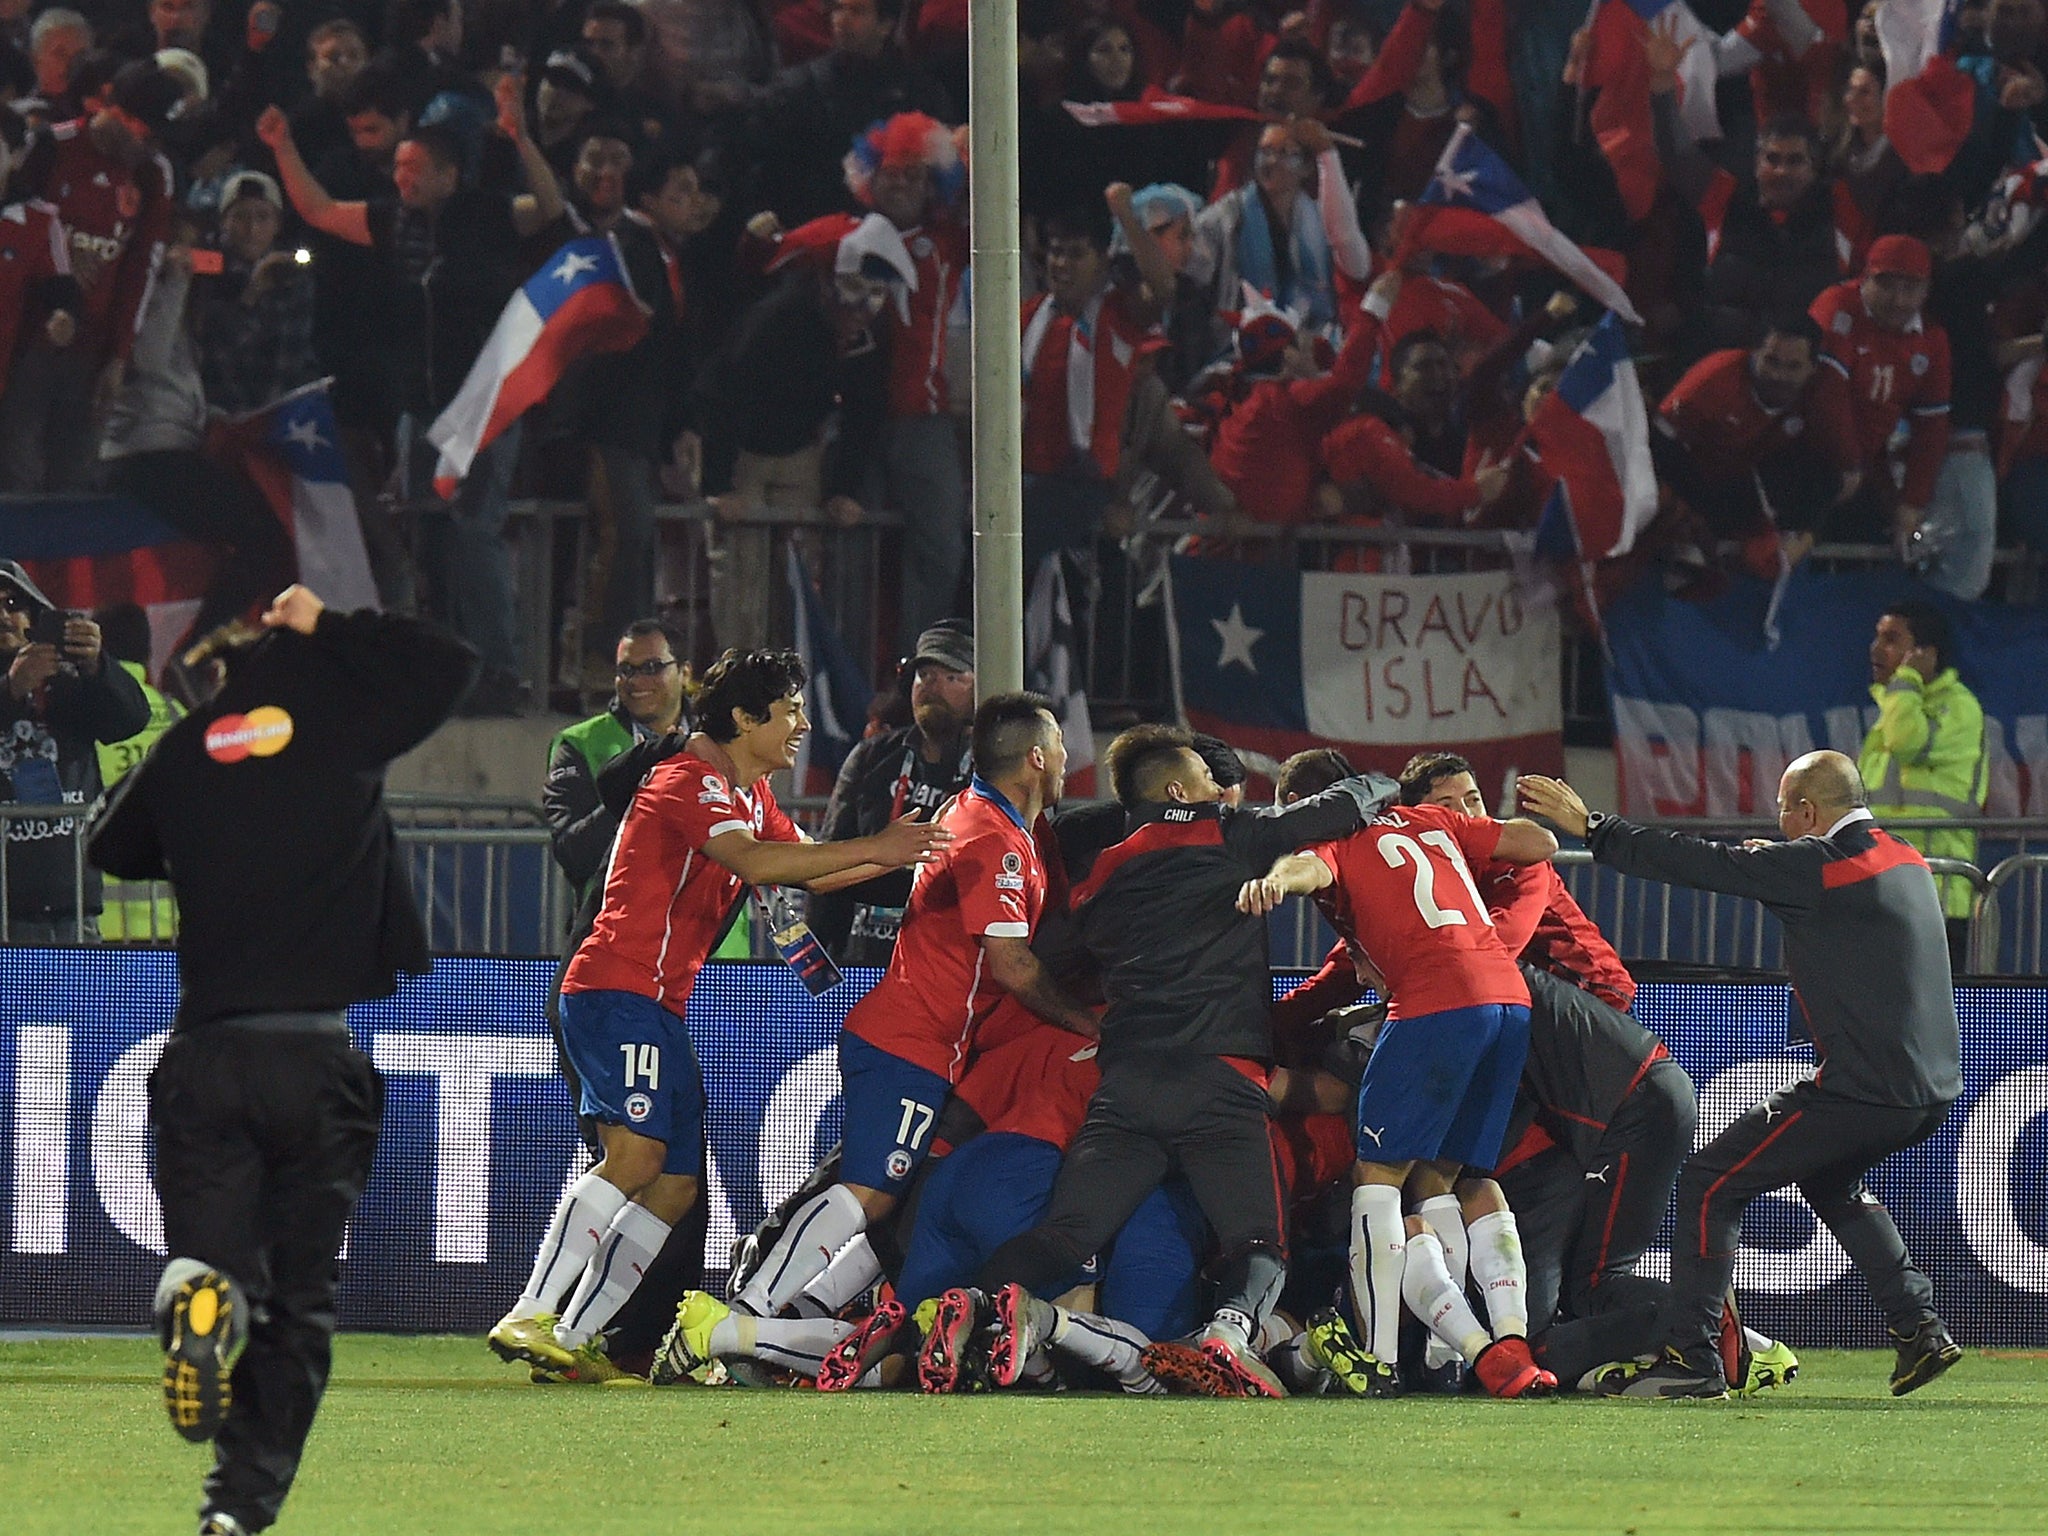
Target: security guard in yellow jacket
(1925, 759)
(132, 912)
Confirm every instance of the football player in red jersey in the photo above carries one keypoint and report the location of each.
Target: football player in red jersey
(965, 943)
(703, 827)
(1442, 1077)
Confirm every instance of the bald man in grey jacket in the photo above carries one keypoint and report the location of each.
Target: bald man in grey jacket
(1867, 948)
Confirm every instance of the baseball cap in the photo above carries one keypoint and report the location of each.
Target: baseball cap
(950, 643)
(249, 184)
(14, 576)
(573, 69)
(1899, 255)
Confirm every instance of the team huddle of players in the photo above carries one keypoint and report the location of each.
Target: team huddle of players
(1082, 1145)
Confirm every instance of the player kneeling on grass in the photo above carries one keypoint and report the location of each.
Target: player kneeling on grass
(963, 947)
(1439, 1084)
(702, 828)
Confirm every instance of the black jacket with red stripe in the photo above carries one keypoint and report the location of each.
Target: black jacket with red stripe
(1183, 970)
(1865, 941)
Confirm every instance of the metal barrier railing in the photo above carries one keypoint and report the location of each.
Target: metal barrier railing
(486, 881)
(2028, 874)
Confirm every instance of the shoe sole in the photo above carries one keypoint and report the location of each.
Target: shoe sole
(856, 1354)
(1187, 1372)
(939, 1362)
(196, 1391)
(1250, 1380)
(1926, 1368)
(1767, 1379)
(551, 1357)
(1347, 1363)
(1005, 1359)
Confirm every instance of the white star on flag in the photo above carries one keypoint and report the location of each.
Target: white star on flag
(572, 265)
(1238, 639)
(305, 432)
(1456, 183)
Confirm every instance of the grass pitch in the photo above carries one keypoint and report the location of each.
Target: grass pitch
(434, 1436)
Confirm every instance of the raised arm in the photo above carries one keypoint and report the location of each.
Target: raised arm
(541, 203)
(1259, 837)
(344, 221)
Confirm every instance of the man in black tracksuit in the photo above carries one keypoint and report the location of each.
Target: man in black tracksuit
(1603, 1122)
(1867, 948)
(265, 810)
(1186, 1045)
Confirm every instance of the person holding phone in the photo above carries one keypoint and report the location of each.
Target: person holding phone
(61, 699)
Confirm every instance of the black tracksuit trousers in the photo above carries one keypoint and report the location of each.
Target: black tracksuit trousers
(265, 1127)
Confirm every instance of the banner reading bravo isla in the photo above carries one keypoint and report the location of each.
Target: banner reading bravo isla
(1379, 667)
(1706, 715)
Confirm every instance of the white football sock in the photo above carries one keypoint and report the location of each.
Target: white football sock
(830, 1220)
(1105, 1344)
(1503, 1277)
(1297, 1368)
(853, 1269)
(1379, 1245)
(1757, 1342)
(1446, 1218)
(1426, 1287)
(581, 1219)
(797, 1344)
(614, 1273)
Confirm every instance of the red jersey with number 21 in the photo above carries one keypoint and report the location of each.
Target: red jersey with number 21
(988, 883)
(665, 898)
(1404, 890)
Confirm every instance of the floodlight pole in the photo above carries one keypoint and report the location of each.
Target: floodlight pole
(998, 369)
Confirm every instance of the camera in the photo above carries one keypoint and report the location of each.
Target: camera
(47, 628)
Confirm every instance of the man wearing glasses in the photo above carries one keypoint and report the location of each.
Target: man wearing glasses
(58, 700)
(648, 702)
(1868, 953)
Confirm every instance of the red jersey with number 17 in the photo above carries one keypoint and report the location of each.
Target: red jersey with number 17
(988, 883)
(665, 899)
(1404, 890)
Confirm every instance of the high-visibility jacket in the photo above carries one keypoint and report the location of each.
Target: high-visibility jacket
(1925, 760)
(131, 910)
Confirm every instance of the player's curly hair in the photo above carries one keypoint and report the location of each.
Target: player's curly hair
(749, 682)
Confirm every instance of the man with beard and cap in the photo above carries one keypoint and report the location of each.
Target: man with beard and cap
(62, 696)
(917, 767)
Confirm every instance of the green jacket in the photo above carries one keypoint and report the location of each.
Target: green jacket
(1925, 760)
(131, 911)
(579, 826)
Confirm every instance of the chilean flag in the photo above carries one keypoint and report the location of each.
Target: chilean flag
(1929, 103)
(1154, 107)
(1619, 27)
(580, 302)
(94, 552)
(1593, 434)
(1475, 206)
(292, 451)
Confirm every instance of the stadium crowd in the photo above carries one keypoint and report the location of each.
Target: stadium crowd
(1842, 296)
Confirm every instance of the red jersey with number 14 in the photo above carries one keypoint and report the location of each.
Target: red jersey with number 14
(665, 898)
(988, 883)
(1404, 890)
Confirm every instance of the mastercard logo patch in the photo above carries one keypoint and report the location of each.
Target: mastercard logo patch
(263, 732)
